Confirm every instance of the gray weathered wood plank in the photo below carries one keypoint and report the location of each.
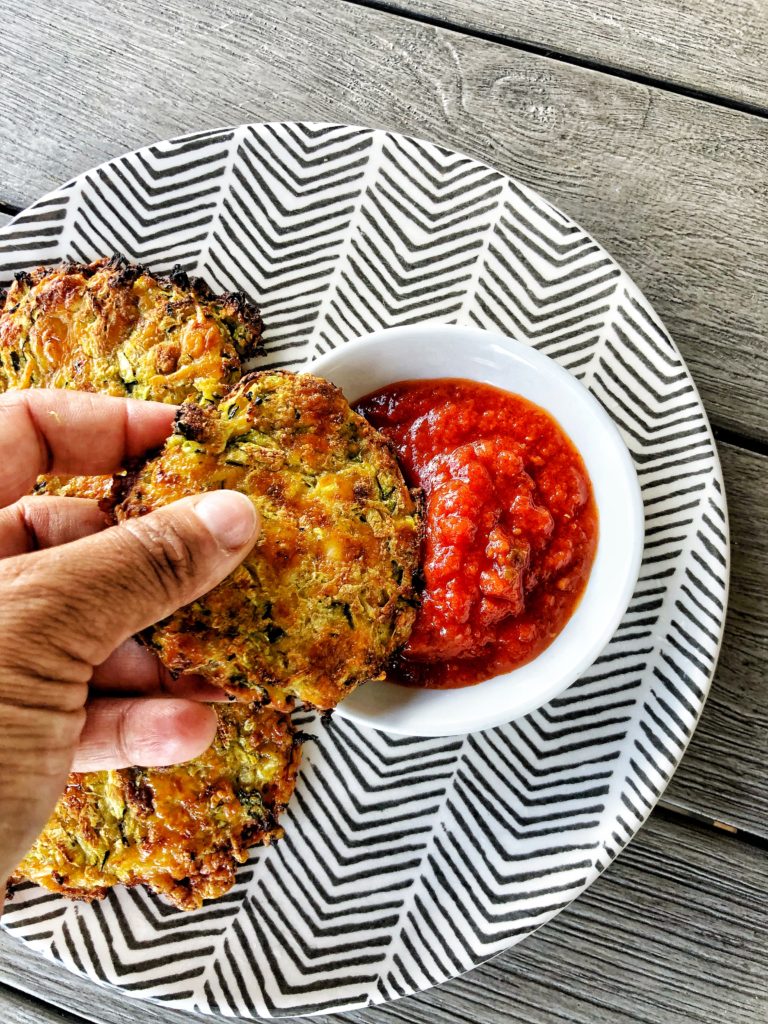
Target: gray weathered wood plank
(703, 45)
(674, 187)
(665, 935)
(723, 774)
(19, 1008)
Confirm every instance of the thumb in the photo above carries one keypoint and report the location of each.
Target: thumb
(83, 599)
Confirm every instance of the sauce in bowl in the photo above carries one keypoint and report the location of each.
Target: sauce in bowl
(511, 526)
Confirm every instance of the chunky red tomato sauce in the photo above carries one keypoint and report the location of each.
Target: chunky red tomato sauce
(511, 526)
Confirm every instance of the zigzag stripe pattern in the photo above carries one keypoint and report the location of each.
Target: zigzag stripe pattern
(408, 861)
(34, 236)
(293, 193)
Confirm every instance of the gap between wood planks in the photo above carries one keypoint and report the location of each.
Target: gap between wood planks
(13, 999)
(734, 437)
(566, 58)
(675, 815)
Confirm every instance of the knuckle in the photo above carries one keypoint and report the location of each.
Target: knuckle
(41, 664)
(30, 606)
(123, 739)
(168, 559)
(47, 736)
(41, 679)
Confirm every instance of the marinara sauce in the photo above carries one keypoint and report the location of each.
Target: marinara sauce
(511, 526)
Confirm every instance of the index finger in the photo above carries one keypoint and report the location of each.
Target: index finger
(72, 433)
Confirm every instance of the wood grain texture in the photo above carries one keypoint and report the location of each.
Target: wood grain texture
(675, 188)
(723, 773)
(669, 40)
(20, 1008)
(666, 935)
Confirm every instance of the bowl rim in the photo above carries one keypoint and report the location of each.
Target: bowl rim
(509, 348)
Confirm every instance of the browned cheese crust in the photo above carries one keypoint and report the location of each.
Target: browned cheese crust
(182, 830)
(326, 596)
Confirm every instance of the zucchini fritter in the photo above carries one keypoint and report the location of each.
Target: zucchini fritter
(182, 830)
(114, 327)
(326, 596)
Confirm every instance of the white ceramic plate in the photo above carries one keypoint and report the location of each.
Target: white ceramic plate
(423, 352)
(407, 861)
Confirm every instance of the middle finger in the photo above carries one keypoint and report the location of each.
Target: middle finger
(132, 668)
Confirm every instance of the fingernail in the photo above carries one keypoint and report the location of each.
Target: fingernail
(229, 516)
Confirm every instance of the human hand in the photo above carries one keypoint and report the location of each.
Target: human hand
(76, 692)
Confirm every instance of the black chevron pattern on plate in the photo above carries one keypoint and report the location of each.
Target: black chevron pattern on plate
(34, 236)
(294, 191)
(407, 861)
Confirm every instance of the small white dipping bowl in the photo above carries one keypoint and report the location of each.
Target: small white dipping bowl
(434, 351)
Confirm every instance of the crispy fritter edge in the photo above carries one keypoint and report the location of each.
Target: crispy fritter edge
(272, 833)
(235, 304)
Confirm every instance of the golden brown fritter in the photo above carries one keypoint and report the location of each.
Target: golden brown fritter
(181, 831)
(326, 596)
(114, 327)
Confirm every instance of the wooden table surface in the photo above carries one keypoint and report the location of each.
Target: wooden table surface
(647, 122)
